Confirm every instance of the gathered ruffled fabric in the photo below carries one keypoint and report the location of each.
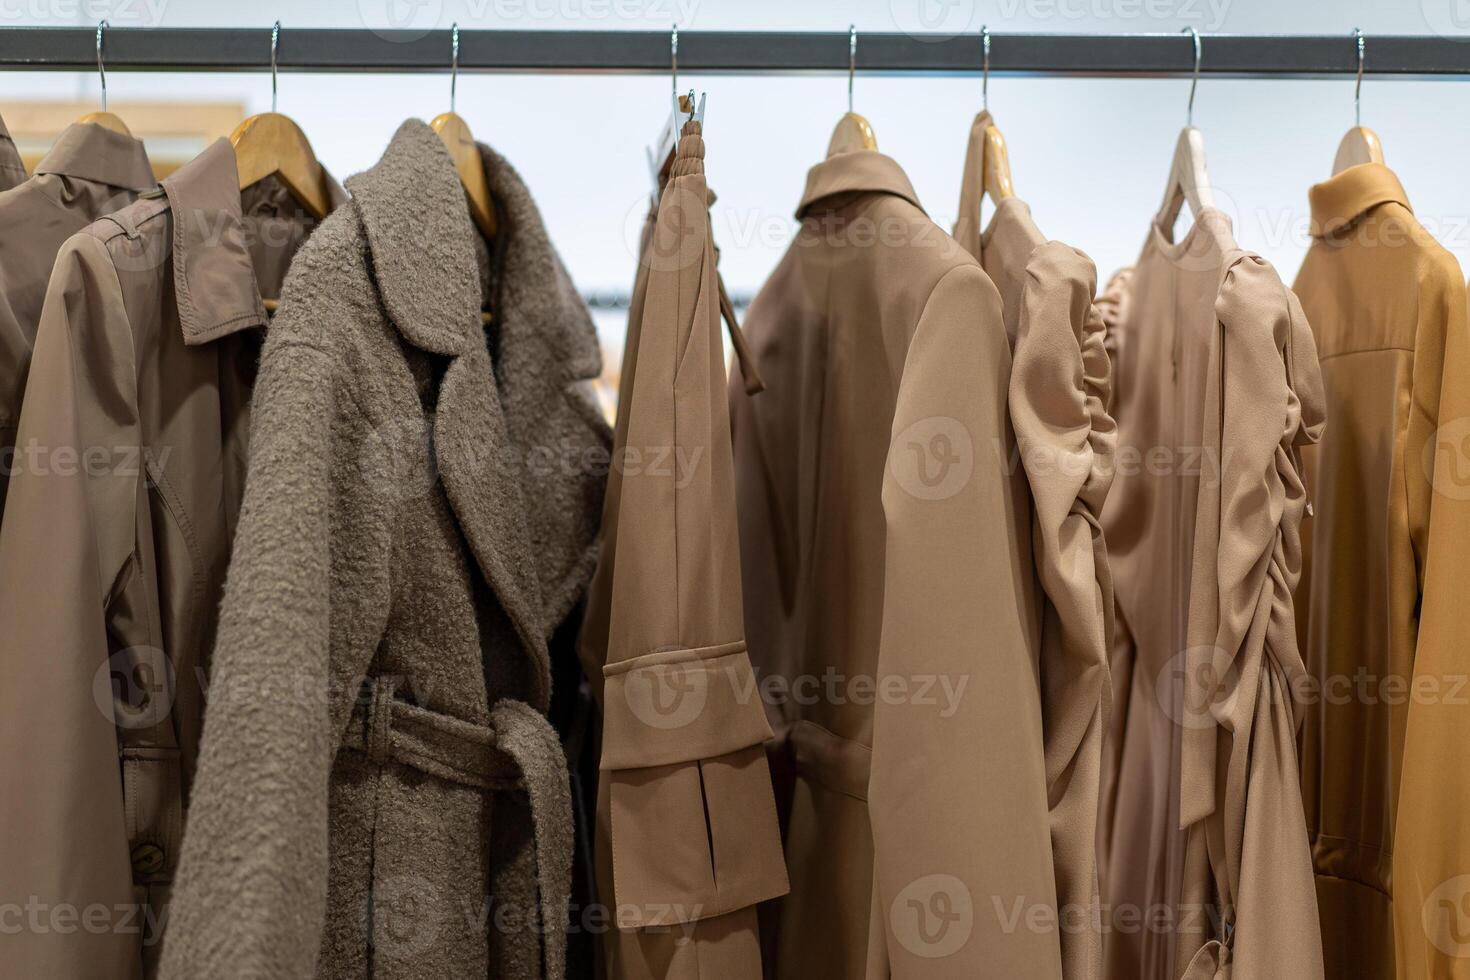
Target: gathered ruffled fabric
(1112, 306)
(1059, 390)
(1248, 858)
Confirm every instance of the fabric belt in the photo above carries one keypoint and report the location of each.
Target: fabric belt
(386, 728)
(519, 749)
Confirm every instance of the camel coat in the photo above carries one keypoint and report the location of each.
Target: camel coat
(379, 793)
(1384, 597)
(113, 552)
(890, 601)
(1059, 390)
(687, 839)
(1217, 389)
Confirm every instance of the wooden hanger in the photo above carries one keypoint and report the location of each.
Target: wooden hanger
(1189, 179)
(987, 172)
(470, 166)
(464, 151)
(269, 144)
(995, 172)
(1360, 145)
(107, 120)
(853, 132)
(103, 118)
(985, 136)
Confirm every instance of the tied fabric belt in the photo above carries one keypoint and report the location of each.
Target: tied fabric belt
(518, 750)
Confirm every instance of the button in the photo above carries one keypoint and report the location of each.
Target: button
(147, 859)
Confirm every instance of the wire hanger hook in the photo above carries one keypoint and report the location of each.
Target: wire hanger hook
(1194, 82)
(275, 42)
(674, 62)
(453, 63)
(101, 70)
(985, 68)
(851, 61)
(1358, 87)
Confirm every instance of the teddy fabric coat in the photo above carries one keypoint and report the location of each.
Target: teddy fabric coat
(112, 561)
(379, 793)
(890, 603)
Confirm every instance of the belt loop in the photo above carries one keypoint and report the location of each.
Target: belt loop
(380, 719)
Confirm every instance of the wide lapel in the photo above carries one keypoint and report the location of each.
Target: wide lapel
(423, 253)
(548, 354)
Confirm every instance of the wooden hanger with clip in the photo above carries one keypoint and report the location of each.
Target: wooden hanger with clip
(683, 108)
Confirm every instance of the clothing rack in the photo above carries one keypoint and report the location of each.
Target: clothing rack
(734, 52)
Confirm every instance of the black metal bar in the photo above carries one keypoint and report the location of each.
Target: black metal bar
(350, 50)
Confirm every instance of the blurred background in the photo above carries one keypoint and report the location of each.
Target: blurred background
(1089, 155)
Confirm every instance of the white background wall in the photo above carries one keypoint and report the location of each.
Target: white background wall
(1089, 155)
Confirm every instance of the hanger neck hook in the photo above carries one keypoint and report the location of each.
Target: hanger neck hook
(275, 43)
(1194, 81)
(985, 68)
(674, 63)
(453, 63)
(102, 25)
(1358, 88)
(851, 61)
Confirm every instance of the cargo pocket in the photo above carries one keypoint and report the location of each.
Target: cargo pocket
(693, 819)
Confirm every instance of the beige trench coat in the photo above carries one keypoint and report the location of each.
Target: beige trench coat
(89, 171)
(12, 167)
(113, 552)
(1206, 873)
(1059, 390)
(379, 792)
(1382, 609)
(688, 843)
(890, 602)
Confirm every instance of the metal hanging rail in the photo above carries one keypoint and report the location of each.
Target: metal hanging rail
(734, 52)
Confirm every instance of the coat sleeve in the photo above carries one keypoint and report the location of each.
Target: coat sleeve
(65, 550)
(687, 821)
(1431, 859)
(250, 898)
(957, 742)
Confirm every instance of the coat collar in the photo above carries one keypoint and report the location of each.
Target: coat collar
(419, 231)
(861, 170)
(92, 152)
(1347, 196)
(214, 280)
(496, 419)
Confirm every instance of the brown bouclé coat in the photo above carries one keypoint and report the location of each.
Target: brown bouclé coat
(419, 514)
